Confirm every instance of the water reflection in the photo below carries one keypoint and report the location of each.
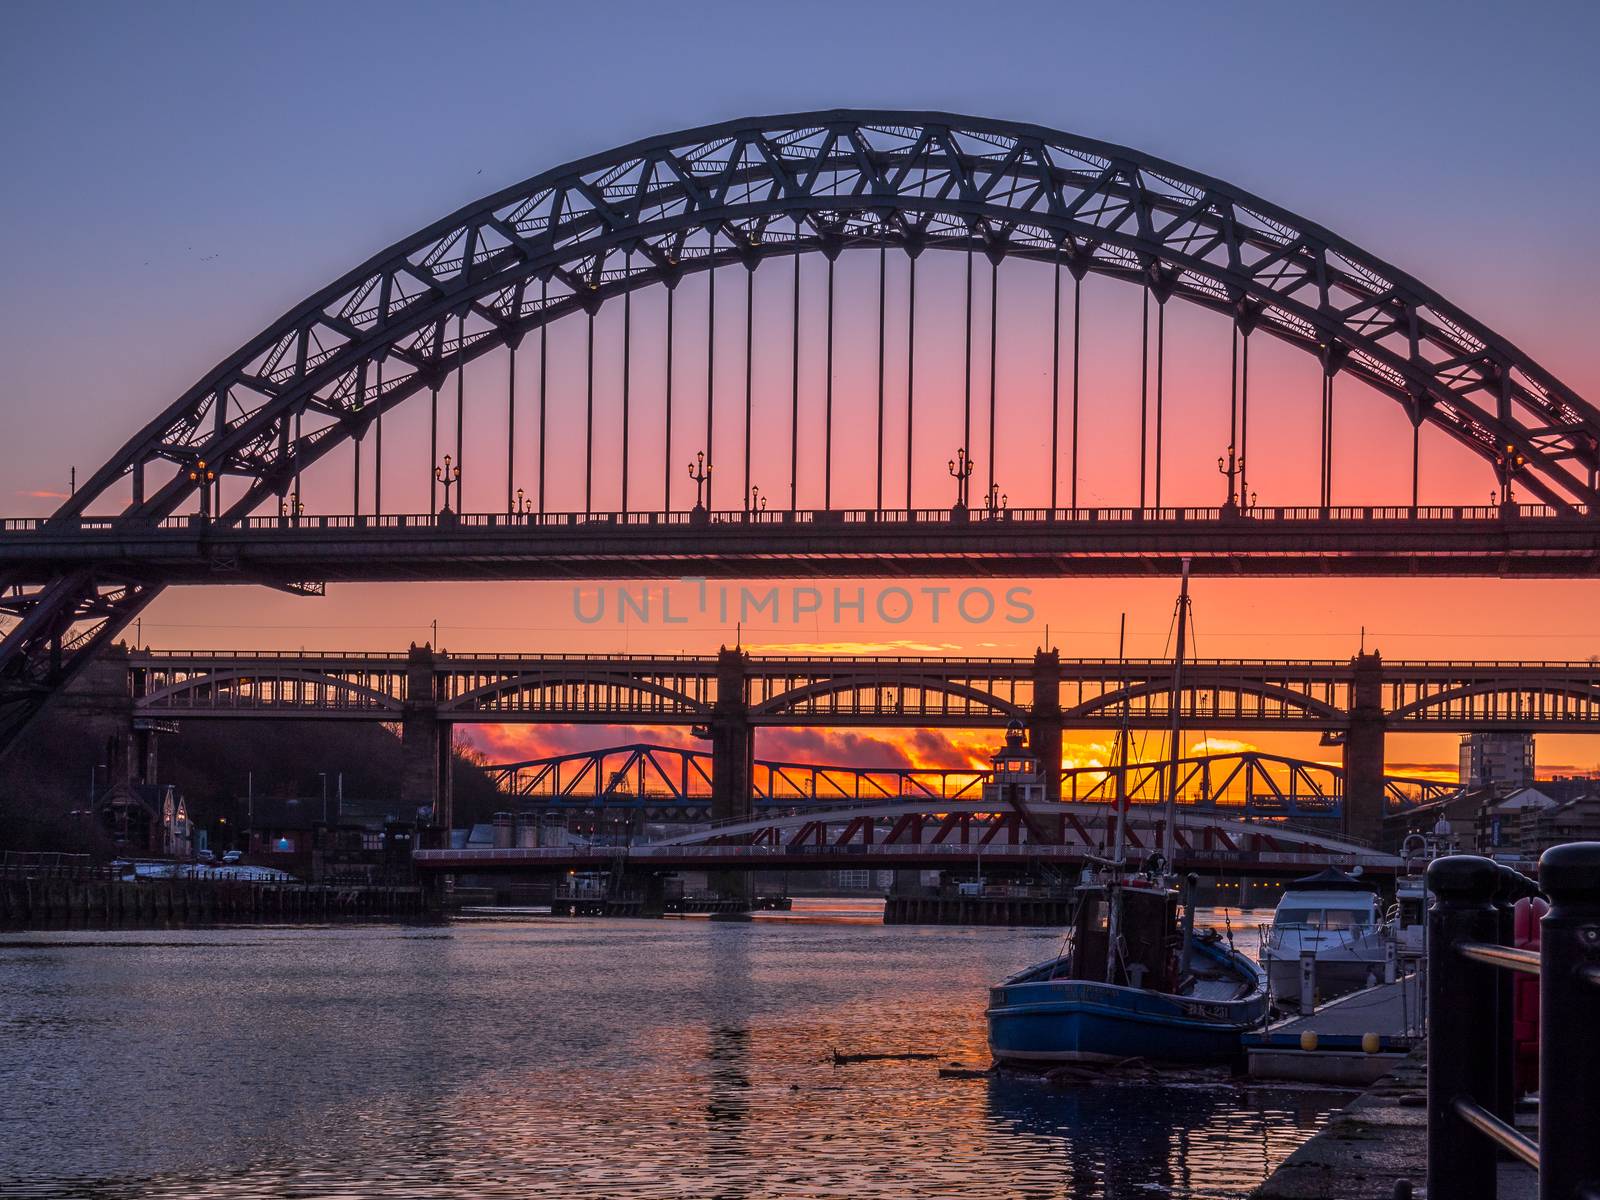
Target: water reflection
(551, 1058)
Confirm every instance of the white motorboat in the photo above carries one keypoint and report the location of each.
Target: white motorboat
(1335, 919)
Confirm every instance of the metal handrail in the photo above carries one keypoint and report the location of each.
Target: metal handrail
(1507, 957)
(1471, 1047)
(448, 518)
(1497, 1131)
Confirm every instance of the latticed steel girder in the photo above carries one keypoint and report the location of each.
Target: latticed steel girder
(572, 237)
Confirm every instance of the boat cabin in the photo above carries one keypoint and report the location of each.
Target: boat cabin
(1148, 932)
(1327, 900)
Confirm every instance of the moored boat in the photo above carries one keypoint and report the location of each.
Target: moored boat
(1334, 919)
(1154, 994)
(1131, 984)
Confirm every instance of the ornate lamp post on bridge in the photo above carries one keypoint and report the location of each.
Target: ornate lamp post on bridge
(523, 507)
(960, 468)
(701, 474)
(290, 508)
(1231, 466)
(994, 504)
(1508, 461)
(204, 476)
(757, 502)
(447, 475)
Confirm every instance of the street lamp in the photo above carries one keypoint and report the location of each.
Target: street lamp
(1508, 461)
(1231, 466)
(291, 506)
(204, 476)
(758, 502)
(447, 475)
(701, 474)
(960, 468)
(994, 504)
(524, 506)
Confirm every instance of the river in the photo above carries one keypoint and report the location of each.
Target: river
(525, 1056)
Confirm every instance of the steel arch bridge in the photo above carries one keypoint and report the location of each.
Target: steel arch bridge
(183, 500)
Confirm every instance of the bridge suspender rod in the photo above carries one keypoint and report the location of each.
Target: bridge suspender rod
(1144, 392)
(1233, 391)
(711, 364)
(966, 427)
(666, 437)
(883, 262)
(749, 369)
(377, 450)
(1327, 440)
(1244, 417)
(1416, 460)
(544, 358)
(433, 451)
(627, 375)
(355, 446)
(1055, 387)
(588, 422)
(1077, 328)
(461, 404)
(297, 426)
(794, 407)
(511, 422)
(827, 413)
(1161, 375)
(994, 339)
(911, 367)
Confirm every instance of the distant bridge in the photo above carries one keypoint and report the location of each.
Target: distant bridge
(672, 783)
(727, 697)
(866, 690)
(965, 834)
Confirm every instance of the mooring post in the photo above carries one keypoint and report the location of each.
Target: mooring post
(1462, 1012)
(1569, 1012)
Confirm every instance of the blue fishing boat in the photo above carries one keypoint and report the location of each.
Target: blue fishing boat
(1153, 994)
(1130, 984)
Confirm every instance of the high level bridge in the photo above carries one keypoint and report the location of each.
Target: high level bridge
(678, 301)
(728, 696)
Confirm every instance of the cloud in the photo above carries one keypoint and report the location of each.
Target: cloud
(43, 494)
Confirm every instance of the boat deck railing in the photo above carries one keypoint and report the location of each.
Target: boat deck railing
(1471, 1048)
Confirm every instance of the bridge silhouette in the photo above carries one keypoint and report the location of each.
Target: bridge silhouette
(726, 698)
(215, 486)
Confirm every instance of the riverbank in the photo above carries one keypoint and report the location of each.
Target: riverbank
(42, 903)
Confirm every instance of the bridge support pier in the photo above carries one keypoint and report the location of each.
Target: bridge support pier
(1363, 752)
(425, 748)
(733, 752)
(1044, 719)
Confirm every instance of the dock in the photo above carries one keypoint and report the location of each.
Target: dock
(1352, 1041)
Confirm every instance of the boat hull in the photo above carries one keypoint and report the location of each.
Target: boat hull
(1089, 1022)
(1335, 976)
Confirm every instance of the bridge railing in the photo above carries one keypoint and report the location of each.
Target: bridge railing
(764, 517)
(1470, 1046)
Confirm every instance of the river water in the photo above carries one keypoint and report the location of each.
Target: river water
(526, 1056)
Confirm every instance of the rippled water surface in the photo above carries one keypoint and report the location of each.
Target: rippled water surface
(538, 1057)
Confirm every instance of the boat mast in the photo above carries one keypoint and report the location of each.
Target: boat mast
(1120, 752)
(1170, 827)
(1120, 805)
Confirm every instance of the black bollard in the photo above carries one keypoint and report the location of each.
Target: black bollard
(1462, 1011)
(1569, 1012)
